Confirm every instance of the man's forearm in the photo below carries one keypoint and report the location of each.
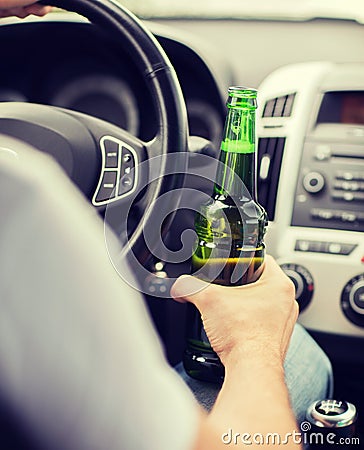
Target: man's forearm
(254, 400)
(252, 409)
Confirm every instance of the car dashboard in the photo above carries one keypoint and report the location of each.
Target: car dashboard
(75, 65)
(310, 134)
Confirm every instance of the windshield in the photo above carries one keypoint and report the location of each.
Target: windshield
(247, 9)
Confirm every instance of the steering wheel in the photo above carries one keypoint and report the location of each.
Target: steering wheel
(109, 165)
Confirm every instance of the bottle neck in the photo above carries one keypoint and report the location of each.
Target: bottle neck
(237, 162)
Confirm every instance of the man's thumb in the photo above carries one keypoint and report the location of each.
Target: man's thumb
(188, 288)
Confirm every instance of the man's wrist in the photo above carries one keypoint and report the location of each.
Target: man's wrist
(255, 356)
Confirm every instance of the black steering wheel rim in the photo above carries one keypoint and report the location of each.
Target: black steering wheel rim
(167, 97)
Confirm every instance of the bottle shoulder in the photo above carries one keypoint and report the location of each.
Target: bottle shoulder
(248, 208)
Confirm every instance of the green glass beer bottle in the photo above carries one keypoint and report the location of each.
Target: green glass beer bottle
(230, 227)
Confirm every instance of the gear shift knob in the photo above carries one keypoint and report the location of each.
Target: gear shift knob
(332, 422)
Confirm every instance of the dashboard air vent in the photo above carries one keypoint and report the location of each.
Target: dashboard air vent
(279, 106)
(270, 153)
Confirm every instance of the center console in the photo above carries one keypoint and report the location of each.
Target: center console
(311, 182)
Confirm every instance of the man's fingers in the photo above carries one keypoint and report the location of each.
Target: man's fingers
(192, 289)
(38, 10)
(22, 8)
(18, 12)
(14, 4)
(188, 288)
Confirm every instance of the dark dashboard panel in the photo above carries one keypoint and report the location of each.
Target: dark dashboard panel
(78, 66)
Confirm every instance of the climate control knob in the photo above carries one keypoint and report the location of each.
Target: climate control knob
(313, 182)
(303, 283)
(352, 300)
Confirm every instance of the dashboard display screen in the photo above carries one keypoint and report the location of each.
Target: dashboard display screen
(342, 107)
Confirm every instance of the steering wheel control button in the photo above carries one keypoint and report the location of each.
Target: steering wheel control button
(313, 182)
(118, 173)
(127, 172)
(108, 186)
(126, 183)
(127, 157)
(352, 300)
(112, 151)
(303, 283)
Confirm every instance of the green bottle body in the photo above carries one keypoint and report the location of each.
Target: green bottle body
(230, 230)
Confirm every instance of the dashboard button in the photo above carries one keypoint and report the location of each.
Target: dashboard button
(348, 216)
(349, 176)
(359, 197)
(302, 246)
(322, 152)
(310, 246)
(313, 182)
(352, 300)
(323, 214)
(348, 196)
(342, 195)
(357, 298)
(335, 248)
(349, 185)
(317, 247)
(303, 283)
(346, 249)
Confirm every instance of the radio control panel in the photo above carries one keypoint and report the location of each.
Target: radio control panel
(330, 189)
(313, 185)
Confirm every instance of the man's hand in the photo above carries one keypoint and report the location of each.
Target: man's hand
(22, 8)
(257, 318)
(250, 328)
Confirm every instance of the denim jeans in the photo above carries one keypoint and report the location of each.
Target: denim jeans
(308, 375)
